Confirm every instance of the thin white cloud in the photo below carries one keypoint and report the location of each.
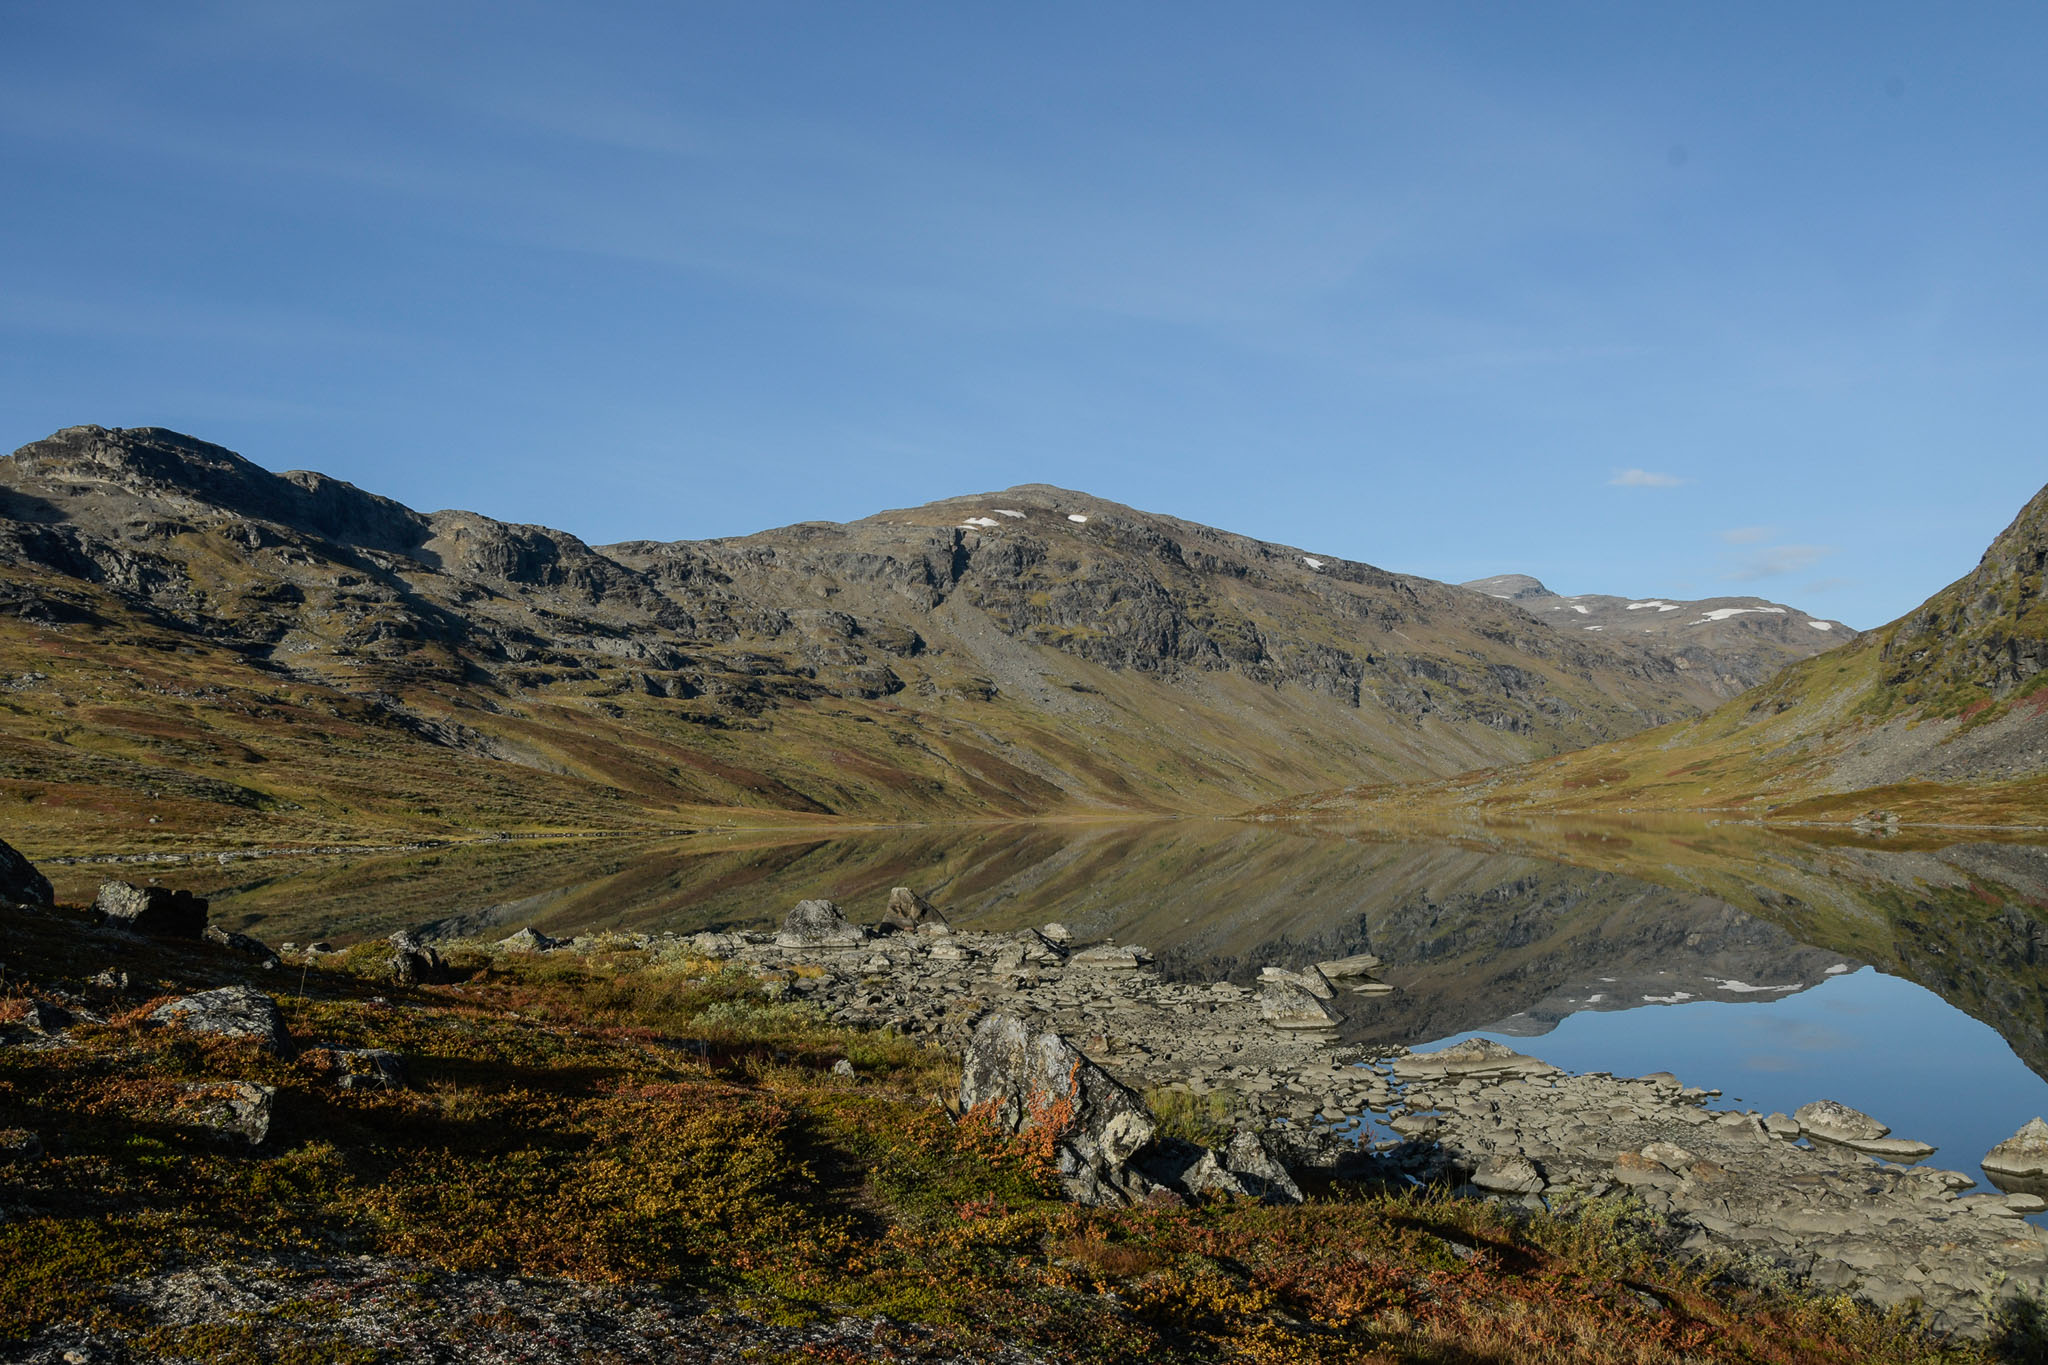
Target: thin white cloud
(1748, 535)
(1779, 559)
(1643, 478)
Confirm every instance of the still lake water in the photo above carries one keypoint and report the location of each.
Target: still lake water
(1909, 982)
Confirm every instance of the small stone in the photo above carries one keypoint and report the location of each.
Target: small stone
(1058, 933)
(1781, 1126)
(111, 979)
(368, 1068)
(413, 962)
(1115, 957)
(843, 1067)
(1669, 1155)
(1346, 968)
(19, 1144)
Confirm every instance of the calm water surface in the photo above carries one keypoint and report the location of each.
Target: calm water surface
(1911, 983)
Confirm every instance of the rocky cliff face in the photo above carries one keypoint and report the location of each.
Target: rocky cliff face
(1017, 653)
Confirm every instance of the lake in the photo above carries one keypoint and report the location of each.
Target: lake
(1908, 979)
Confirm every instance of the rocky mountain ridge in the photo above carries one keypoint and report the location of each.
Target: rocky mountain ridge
(1732, 643)
(1026, 652)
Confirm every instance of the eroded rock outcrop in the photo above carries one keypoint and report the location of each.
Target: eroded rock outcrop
(1024, 1080)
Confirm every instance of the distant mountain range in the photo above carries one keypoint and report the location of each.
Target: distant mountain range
(195, 649)
(1940, 717)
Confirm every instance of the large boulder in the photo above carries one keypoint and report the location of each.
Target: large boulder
(2024, 1154)
(819, 924)
(909, 911)
(1470, 1057)
(20, 883)
(1027, 1081)
(1837, 1122)
(231, 1012)
(1286, 1005)
(154, 910)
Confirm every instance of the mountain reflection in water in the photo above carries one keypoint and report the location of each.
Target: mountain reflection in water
(1506, 931)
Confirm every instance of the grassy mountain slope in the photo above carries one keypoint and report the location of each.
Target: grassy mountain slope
(195, 649)
(1941, 716)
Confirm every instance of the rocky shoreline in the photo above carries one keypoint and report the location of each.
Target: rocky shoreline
(1775, 1194)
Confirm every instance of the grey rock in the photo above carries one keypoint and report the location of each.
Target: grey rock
(20, 883)
(844, 1068)
(1057, 932)
(19, 1145)
(1311, 980)
(414, 962)
(1024, 1079)
(232, 1109)
(1347, 968)
(230, 1012)
(1257, 1171)
(1837, 1122)
(531, 940)
(154, 910)
(909, 911)
(1288, 1006)
(369, 1068)
(243, 944)
(1472, 1057)
(818, 924)
(1122, 957)
(46, 1019)
(2025, 1153)
(1508, 1175)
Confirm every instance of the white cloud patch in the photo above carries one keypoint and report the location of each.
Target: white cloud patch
(1643, 478)
(1748, 535)
(1774, 560)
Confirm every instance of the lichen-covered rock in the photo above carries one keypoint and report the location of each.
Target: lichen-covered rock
(2025, 1153)
(1285, 1005)
(20, 883)
(230, 1012)
(819, 924)
(369, 1068)
(908, 911)
(154, 910)
(231, 1109)
(1024, 1080)
(1837, 1122)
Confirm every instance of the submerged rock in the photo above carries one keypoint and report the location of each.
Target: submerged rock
(20, 883)
(819, 924)
(2025, 1153)
(230, 1012)
(154, 910)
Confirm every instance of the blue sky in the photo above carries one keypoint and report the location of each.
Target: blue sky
(1685, 300)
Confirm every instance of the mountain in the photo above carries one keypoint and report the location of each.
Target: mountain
(1939, 717)
(198, 648)
(1729, 643)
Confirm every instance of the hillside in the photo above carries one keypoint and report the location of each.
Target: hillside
(195, 647)
(1939, 717)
